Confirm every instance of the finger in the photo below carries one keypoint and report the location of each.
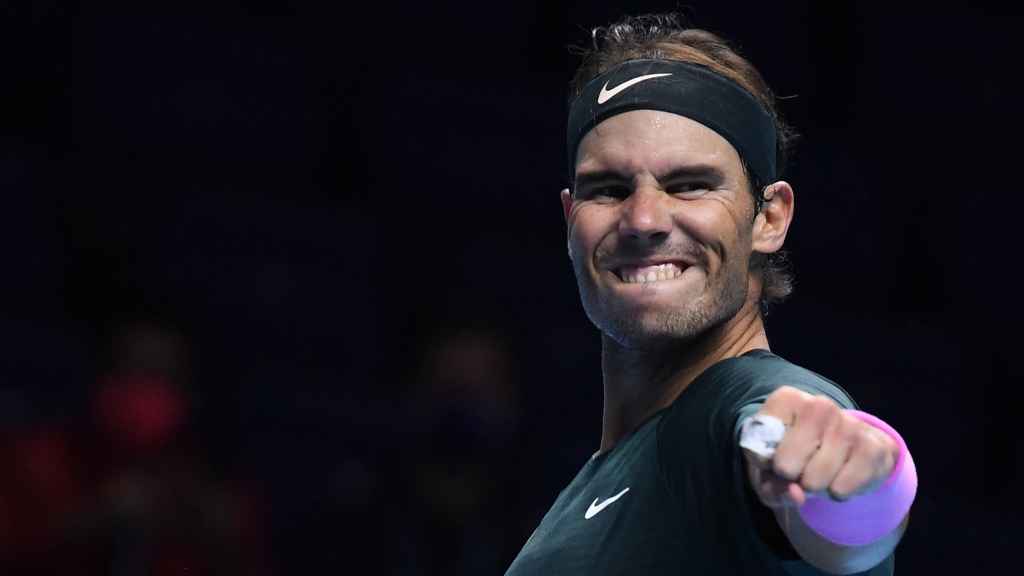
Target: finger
(796, 494)
(825, 464)
(805, 437)
(784, 403)
(870, 462)
(772, 491)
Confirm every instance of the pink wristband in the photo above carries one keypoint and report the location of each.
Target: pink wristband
(865, 518)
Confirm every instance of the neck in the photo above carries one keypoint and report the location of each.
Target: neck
(639, 381)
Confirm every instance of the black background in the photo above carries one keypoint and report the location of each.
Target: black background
(315, 192)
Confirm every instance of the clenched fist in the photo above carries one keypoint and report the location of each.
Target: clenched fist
(824, 451)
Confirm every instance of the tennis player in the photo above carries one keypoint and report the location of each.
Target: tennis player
(717, 456)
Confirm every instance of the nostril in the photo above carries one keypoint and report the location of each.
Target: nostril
(648, 235)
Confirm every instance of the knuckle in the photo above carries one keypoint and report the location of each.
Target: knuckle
(814, 482)
(845, 486)
(880, 457)
(837, 433)
(820, 409)
(825, 404)
(781, 395)
(865, 438)
(885, 444)
(883, 461)
(864, 455)
(848, 427)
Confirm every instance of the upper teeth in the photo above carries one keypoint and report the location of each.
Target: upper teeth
(632, 275)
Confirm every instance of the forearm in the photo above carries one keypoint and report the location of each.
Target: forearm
(829, 556)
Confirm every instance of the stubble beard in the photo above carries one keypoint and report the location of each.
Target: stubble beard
(678, 325)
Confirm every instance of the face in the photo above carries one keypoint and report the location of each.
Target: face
(659, 227)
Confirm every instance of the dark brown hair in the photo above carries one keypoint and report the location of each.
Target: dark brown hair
(666, 37)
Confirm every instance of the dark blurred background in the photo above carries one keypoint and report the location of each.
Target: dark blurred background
(285, 285)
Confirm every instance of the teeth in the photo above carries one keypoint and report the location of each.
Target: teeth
(633, 275)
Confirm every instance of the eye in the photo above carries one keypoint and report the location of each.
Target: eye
(689, 189)
(605, 192)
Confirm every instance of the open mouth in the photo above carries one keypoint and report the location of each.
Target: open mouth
(649, 274)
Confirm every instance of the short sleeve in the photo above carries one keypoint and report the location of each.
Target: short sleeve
(707, 415)
(705, 421)
(759, 373)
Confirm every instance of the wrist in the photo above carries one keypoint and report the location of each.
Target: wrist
(868, 517)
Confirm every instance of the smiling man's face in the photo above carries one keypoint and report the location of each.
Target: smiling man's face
(659, 227)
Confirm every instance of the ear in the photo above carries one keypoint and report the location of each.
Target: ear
(566, 211)
(566, 203)
(772, 223)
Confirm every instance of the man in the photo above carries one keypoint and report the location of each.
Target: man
(675, 220)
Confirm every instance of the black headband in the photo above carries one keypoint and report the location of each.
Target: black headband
(686, 89)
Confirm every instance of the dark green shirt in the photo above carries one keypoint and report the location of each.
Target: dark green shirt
(672, 497)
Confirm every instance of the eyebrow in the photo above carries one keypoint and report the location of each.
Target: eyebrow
(697, 171)
(601, 176)
(694, 171)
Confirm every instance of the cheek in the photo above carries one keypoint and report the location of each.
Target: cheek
(718, 232)
(586, 229)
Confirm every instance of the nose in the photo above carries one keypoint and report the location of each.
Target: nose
(646, 217)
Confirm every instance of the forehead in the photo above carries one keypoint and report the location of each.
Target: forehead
(656, 141)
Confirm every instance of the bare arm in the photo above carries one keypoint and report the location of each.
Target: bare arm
(829, 556)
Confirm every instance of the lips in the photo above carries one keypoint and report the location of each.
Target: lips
(649, 273)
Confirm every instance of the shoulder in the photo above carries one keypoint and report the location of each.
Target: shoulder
(752, 377)
(734, 388)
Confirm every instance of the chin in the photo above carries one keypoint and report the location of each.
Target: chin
(640, 328)
(645, 330)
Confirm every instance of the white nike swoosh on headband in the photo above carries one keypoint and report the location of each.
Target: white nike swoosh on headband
(607, 94)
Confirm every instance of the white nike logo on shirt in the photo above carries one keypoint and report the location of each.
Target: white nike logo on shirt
(595, 508)
(607, 94)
